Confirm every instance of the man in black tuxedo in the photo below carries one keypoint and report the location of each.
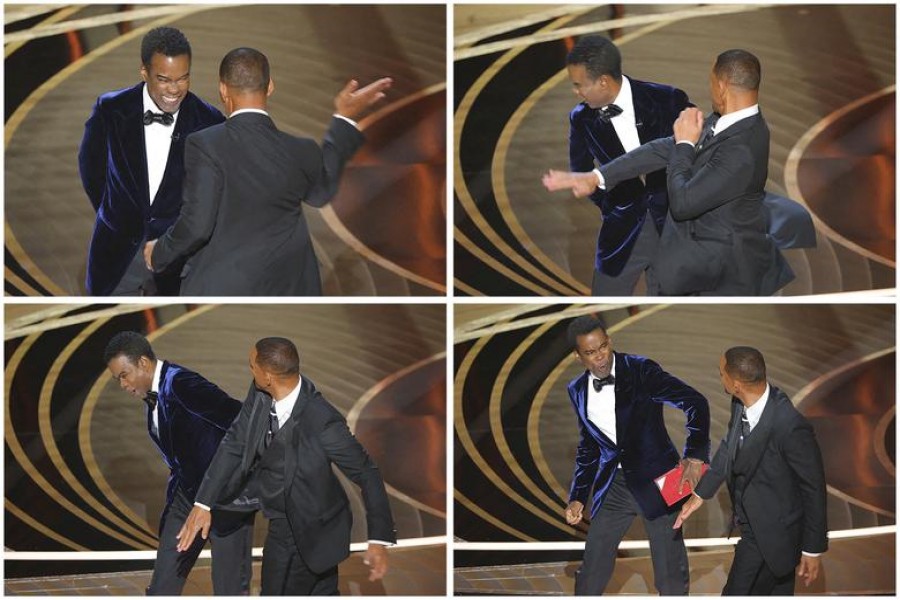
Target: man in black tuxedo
(187, 417)
(280, 450)
(771, 462)
(715, 241)
(624, 446)
(131, 164)
(617, 114)
(242, 223)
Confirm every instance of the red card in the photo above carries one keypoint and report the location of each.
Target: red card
(668, 484)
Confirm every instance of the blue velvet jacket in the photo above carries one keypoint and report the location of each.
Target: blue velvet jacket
(625, 207)
(112, 161)
(643, 446)
(194, 415)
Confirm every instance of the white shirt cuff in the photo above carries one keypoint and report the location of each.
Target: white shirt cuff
(381, 542)
(203, 506)
(601, 183)
(351, 121)
(693, 145)
(810, 554)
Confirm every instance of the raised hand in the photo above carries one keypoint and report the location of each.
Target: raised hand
(353, 101)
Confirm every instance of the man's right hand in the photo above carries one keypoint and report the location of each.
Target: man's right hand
(687, 509)
(198, 521)
(352, 102)
(581, 184)
(574, 512)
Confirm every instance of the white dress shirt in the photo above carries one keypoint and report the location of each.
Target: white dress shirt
(625, 123)
(601, 406)
(157, 142)
(154, 387)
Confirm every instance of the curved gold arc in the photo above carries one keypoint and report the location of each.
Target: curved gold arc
(494, 412)
(575, 311)
(63, 13)
(18, 252)
(46, 429)
(87, 412)
(466, 288)
(337, 226)
(366, 398)
(792, 179)
(460, 238)
(12, 442)
(18, 117)
(465, 198)
(40, 527)
(881, 434)
(465, 40)
(462, 499)
(465, 439)
(49, 325)
(498, 172)
(534, 415)
(20, 284)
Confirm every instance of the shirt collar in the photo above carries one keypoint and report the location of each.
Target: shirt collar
(248, 110)
(623, 99)
(285, 406)
(754, 413)
(150, 105)
(157, 375)
(726, 121)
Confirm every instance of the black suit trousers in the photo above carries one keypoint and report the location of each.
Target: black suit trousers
(284, 573)
(667, 551)
(749, 574)
(231, 554)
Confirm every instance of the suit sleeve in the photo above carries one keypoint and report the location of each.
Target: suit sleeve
(580, 158)
(202, 192)
(92, 156)
(713, 479)
(721, 179)
(587, 461)
(205, 400)
(649, 157)
(228, 458)
(801, 451)
(341, 141)
(342, 448)
(674, 392)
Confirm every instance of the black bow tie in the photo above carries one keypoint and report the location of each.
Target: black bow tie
(599, 383)
(151, 399)
(163, 117)
(608, 112)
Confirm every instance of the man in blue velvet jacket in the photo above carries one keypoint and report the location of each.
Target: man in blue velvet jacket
(624, 446)
(616, 115)
(187, 417)
(131, 162)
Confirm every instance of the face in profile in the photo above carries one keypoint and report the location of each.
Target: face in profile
(727, 381)
(595, 352)
(259, 376)
(596, 93)
(136, 378)
(168, 80)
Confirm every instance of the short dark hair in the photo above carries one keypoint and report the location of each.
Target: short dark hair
(129, 344)
(245, 69)
(598, 55)
(167, 41)
(582, 326)
(739, 68)
(745, 364)
(278, 355)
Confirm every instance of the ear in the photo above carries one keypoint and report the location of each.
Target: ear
(223, 92)
(271, 87)
(145, 74)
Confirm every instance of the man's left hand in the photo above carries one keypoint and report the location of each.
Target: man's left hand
(808, 569)
(148, 253)
(352, 102)
(688, 125)
(581, 184)
(690, 474)
(377, 561)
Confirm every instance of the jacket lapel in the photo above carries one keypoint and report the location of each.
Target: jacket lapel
(646, 113)
(736, 129)
(185, 125)
(624, 385)
(163, 414)
(133, 147)
(291, 435)
(755, 445)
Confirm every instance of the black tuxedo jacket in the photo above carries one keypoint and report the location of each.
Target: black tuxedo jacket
(716, 241)
(643, 447)
(625, 207)
(193, 416)
(784, 492)
(317, 507)
(112, 161)
(242, 222)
